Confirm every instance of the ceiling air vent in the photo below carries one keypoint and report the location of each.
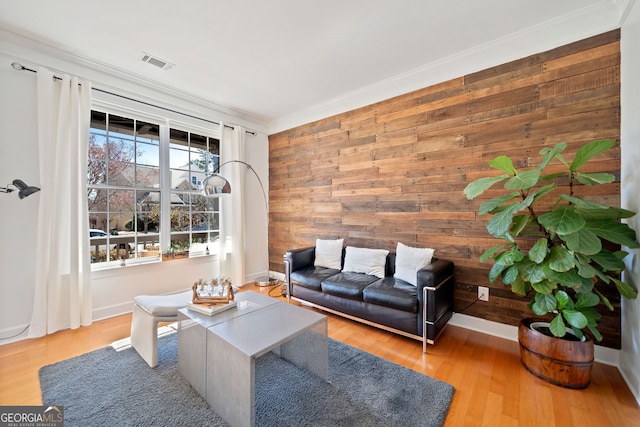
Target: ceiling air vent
(160, 63)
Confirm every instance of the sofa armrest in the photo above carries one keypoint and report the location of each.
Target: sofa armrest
(435, 297)
(300, 258)
(296, 259)
(434, 274)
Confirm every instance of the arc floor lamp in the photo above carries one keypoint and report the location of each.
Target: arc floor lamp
(216, 185)
(24, 189)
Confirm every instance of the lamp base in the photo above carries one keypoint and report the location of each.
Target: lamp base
(264, 281)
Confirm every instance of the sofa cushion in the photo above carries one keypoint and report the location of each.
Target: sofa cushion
(311, 277)
(365, 260)
(329, 253)
(393, 293)
(347, 284)
(409, 260)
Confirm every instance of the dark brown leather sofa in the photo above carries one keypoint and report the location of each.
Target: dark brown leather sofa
(420, 312)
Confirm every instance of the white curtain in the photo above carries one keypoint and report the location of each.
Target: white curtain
(232, 257)
(62, 296)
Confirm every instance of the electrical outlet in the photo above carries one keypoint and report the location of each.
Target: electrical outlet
(483, 293)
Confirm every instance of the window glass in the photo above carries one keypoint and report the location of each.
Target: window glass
(194, 224)
(125, 193)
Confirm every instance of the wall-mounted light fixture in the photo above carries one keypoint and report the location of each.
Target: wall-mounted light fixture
(25, 190)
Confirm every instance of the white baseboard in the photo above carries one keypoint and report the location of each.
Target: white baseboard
(605, 355)
(14, 334)
(630, 377)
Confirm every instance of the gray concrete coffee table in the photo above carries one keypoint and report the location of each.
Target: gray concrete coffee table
(224, 373)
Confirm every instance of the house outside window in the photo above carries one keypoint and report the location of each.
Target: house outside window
(139, 209)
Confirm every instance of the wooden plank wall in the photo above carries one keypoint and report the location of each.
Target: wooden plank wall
(394, 171)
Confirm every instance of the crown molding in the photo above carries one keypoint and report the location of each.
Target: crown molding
(33, 53)
(589, 21)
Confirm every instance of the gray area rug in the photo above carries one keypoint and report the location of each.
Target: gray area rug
(116, 388)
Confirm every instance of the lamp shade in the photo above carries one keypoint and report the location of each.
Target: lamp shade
(215, 184)
(25, 190)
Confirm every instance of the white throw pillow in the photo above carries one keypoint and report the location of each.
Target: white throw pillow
(409, 260)
(329, 253)
(364, 260)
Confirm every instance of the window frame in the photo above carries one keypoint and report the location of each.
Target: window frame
(165, 122)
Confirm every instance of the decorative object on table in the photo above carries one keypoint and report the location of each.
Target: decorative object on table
(556, 247)
(212, 296)
(214, 291)
(211, 309)
(215, 185)
(25, 190)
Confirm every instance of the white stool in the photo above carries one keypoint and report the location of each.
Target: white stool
(148, 311)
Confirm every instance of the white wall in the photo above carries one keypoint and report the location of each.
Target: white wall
(113, 289)
(18, 218)
(630, 189)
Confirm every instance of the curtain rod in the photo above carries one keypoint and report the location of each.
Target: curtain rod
(20, 67)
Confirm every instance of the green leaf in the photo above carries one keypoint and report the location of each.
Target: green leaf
(553, 176)
(608, 261)
(582, 203)
(504, 164)
(510, 275)
(588, 299)
(626, 290)
(509, 257)
(501, 222)
(496, 271)
(520, 287)
(557, 326)
(561, 260)
(615, 232)
(603, 213)
(477, 187)
(623, 213)
(523, 180)
(569, 278)
(578, 332)
(520, 222)
(591, 314)
(543, 191)
(562, 220)
(538, 252)
(544, 303)
(544, 287)
(604, 299)
(595, 332)
(587, 151)
(585, 286)
(575, 318)
(583, 241)
(563, 299)
(592, 179)
(531, 272)
(489, 253)
(586, 270)
(490, 206)
(550, 154)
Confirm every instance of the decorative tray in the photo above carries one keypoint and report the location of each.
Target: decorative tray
(216, 291)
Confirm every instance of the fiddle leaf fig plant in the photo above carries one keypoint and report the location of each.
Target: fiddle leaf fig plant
(553, 239)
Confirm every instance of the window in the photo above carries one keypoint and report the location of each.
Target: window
(193, 217)
(138, 210)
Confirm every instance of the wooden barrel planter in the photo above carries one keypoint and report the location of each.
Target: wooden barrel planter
(563, 362)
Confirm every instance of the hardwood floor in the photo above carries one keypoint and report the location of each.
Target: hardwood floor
(492, 387)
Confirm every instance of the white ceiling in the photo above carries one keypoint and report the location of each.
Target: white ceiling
(271, 61)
